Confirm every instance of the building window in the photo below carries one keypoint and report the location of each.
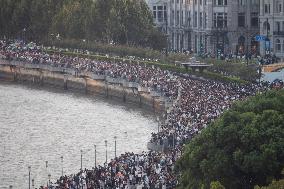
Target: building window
(267, 8)
(277, 26)
(241, 20)
(165, 14)
(278, 45)
(172, 17)
(177, 18)
(181, 18)
(220, 20)
(160, 13)
(200, 19)
(254, 19)
(154, 12)
(205, 20)
(195, 19)
(220, 2)
(189, 19)
(278, 7)
(241, 2)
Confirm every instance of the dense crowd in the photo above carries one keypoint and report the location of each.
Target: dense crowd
(145, 170)
(196, 104)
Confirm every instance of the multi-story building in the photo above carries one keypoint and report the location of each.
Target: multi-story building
(212, 26)
(159, 11)
(272, 27)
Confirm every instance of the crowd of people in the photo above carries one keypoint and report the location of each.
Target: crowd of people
(197, 102)
(129, 170)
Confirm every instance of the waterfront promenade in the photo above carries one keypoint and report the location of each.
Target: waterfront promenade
(194, 104)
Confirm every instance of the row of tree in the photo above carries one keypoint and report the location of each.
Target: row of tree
(243, 148)
(111, 21)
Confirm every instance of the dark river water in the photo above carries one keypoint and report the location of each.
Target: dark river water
(39, 125)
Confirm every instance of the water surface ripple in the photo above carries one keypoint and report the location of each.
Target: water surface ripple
(43, 125)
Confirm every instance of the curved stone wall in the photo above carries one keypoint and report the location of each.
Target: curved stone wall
(87, 82)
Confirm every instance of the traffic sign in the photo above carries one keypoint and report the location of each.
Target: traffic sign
(260, 38)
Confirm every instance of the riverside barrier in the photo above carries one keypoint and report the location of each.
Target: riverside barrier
(70, 78)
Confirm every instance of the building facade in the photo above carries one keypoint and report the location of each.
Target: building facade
(272, 27)
(212, 26)
(159, 10)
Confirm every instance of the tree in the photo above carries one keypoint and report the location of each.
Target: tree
(274, 185)
(216, 185)
(243, 148)
(126, 22)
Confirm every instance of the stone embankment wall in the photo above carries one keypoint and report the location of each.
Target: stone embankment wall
(87, 82)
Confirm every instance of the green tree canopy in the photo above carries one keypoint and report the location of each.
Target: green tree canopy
(274, 185)
(216, 185)
(118, 21)
(243, 148)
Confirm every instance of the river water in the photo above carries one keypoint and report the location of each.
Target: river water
(39, 125)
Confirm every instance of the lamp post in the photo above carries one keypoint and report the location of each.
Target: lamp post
(106, 150)
(95, 155)
(29, 168)
(84, 45)
(115, 137)
(33, 183)
(158, 120)
(49, 175)
(24, 32)
(81, 160)
(46, 165)
(61, 165)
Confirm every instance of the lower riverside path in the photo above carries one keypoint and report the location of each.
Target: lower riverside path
(43, 125)
(195, 104)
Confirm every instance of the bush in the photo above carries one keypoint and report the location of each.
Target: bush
(243, 148)
(234, 69)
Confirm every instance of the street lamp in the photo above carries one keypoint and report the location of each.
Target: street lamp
(29, 168)
(95, 155)
(158, 120)
(33, 183)
(115, 137)
(49, 175)
(106, 150)
(81, 160)
(61, 165)
(46, 165)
